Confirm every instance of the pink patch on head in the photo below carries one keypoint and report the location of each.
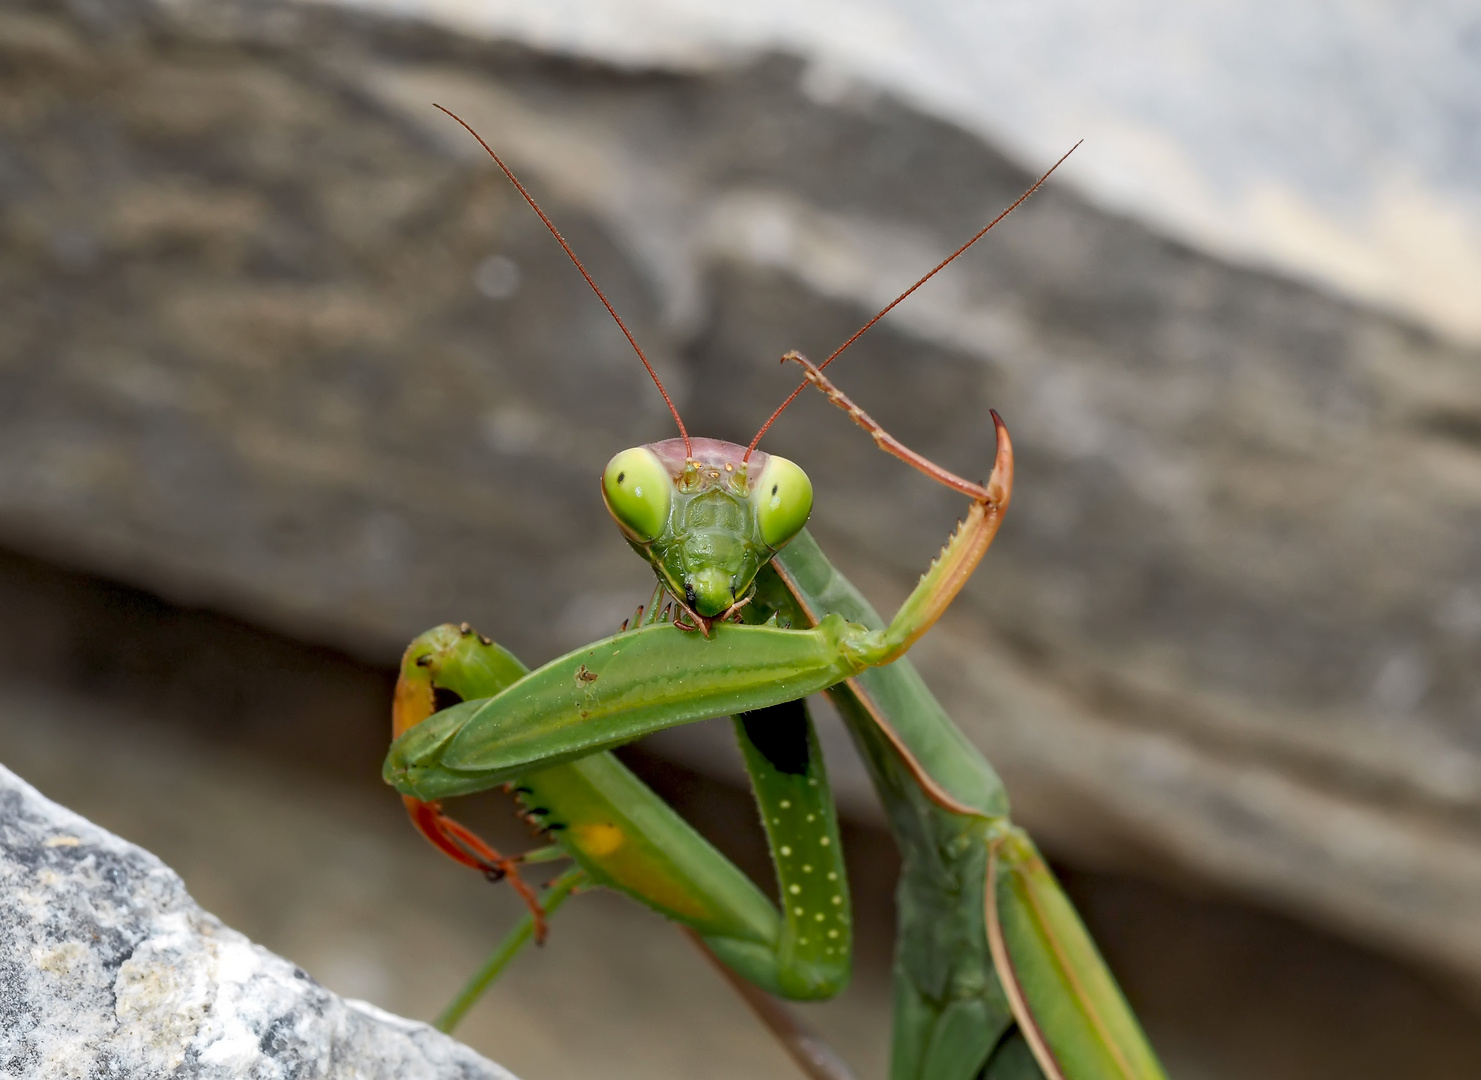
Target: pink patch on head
(714, 453)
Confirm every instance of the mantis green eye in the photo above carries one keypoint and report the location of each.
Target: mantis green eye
(638, 490)
(783, 496)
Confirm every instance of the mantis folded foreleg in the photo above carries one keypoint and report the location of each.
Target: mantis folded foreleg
(625, 837)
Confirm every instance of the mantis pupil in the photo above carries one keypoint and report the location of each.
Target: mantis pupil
(623, 476)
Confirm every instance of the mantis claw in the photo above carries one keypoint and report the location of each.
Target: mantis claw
(418, 696)
(463, 845)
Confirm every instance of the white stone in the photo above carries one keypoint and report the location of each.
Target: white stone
(109, 969)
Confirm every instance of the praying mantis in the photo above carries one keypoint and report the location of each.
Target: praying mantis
(995, 976)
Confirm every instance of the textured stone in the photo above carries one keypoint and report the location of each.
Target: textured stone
(108, 968)
(274, 338)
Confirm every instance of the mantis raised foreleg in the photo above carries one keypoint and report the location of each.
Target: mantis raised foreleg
(995, 975)
(986, 937)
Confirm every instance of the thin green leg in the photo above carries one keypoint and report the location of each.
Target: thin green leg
(506, 951)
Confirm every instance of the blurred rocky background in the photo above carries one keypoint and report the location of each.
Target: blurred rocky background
(289, 374)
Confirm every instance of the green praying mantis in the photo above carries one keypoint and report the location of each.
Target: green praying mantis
(995, 976)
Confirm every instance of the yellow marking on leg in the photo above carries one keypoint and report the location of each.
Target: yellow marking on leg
(598, 839)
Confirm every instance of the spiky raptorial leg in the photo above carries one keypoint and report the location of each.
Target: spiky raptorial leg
(950, 570)
(415, 700)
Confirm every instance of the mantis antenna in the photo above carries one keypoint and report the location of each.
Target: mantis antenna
(683, 432)
(892, 304)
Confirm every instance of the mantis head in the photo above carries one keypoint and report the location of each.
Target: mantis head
(706, 518)
(708, 515)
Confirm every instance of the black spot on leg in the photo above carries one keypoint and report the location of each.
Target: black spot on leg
(780, 733)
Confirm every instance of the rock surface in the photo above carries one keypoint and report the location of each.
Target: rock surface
(274, 338)
(108, 968)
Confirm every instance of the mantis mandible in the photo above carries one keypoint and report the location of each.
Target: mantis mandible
(995, 976)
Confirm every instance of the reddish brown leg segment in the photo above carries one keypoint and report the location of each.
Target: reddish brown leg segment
(882, 438)
(892, 304)
(461, 844)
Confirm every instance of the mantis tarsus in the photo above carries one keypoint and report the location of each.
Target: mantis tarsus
(995, 975)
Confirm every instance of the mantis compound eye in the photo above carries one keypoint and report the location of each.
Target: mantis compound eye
(638, 491)
(783, 498)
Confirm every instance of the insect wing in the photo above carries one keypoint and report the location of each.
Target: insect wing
(1068, 1006)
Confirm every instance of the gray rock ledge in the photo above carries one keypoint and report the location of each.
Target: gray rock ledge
(109, 969)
